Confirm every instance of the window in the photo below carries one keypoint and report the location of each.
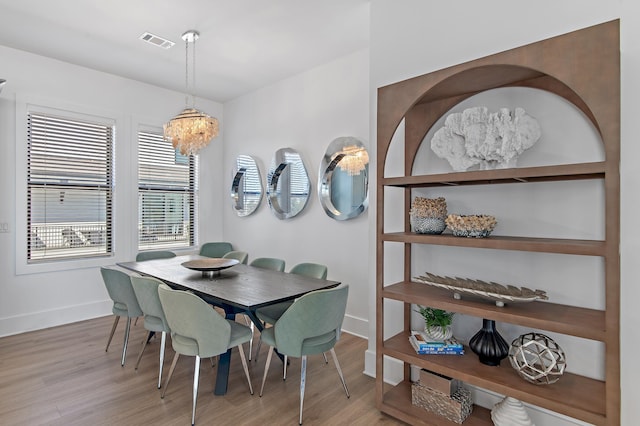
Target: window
(69, 187)
(167, 194)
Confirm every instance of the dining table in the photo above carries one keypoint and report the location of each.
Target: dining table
(237, 289)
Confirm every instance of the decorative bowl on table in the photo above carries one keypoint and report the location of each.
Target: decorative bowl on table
(472, 226)
(210, 266)
(427, 215)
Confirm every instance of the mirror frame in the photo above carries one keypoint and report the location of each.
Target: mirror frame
(237, 195)
(336, 152)
(279, 164)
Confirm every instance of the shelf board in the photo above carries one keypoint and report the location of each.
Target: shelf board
(497, 242)
(565, 319)
(595, 170)
(573, 395)
(397, 403)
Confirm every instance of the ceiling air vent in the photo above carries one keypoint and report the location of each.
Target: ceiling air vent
(156, 41)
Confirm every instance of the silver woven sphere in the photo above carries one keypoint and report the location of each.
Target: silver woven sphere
(537, 358)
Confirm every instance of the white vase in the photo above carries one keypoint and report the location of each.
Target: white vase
(438, 333)
(510, 412)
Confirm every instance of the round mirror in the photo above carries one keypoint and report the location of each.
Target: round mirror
(288, 185)
(246, 189)
(343, 179)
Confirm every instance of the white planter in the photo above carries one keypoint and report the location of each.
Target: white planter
(439, 333)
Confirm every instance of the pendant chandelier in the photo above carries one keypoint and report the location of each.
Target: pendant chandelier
(354, 161)
(191, 130)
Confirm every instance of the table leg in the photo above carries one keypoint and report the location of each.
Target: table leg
(224, 362)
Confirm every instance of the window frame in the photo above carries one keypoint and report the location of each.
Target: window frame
(24, 106)
(193, 190)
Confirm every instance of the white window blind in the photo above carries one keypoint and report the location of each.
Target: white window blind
(167, 194)
(70, 188)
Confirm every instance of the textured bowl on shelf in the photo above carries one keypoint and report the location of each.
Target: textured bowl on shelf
(427, 225)
(472, 226)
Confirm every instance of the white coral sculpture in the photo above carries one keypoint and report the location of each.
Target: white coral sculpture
(488, 140)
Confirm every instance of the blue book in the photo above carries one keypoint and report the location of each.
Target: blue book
(436, 350)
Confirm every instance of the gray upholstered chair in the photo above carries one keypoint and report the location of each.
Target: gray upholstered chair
(215, 249)
(310, 326)
(270, 314)
(155, 254)
(197, 330)
(125, 303)
(146, 290)
(268, 263)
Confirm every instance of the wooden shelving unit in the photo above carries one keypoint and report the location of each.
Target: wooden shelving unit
(589, 78)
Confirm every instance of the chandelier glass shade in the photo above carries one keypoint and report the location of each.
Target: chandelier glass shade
(191, 130)
(354, 161)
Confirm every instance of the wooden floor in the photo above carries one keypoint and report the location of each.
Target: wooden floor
(63, 376)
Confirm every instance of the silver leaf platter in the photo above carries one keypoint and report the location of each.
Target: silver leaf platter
(211, 266)
(498, 293)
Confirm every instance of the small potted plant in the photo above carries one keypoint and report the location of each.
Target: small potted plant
(437, 322)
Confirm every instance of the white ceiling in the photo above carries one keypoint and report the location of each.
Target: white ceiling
(243, 45)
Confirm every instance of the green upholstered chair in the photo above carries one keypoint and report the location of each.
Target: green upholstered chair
(197, 330)
(146, 290)
(125, 303)
(215, 249)
(155, 254)
(270, 314)
(310, 326)
(240, 256)
(268, 263)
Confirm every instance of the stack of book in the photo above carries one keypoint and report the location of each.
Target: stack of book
(424, 346)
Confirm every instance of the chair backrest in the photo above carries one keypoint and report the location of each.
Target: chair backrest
(215, 249)
(190, 317)
(316, 314)
(156, 254)
(146, 290)
(268, 263)
(119, 287)
(314, 270)
(241, 256)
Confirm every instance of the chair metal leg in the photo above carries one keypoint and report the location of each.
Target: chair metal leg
(284, 375)
(266, 368)
(335, 360)
(113, 330)
(251, 326)
(173, 367)
(163, 342)
(246, 369)
(303, 382)
(258, 348)
(196, 378)
(144, 345)
(249, 323)
(264, 325)
(126, 341)
(324, 355)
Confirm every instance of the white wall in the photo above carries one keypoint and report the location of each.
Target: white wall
(413, 37)
(305, 112)
(69, 292)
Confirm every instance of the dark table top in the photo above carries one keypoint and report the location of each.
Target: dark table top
(245, 287)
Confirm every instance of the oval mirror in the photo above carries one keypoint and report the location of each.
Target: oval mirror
(288, 185)
(343, 179)
(246, 189)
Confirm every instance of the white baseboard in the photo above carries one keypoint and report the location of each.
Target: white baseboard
(356, 326)
(45, 319)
